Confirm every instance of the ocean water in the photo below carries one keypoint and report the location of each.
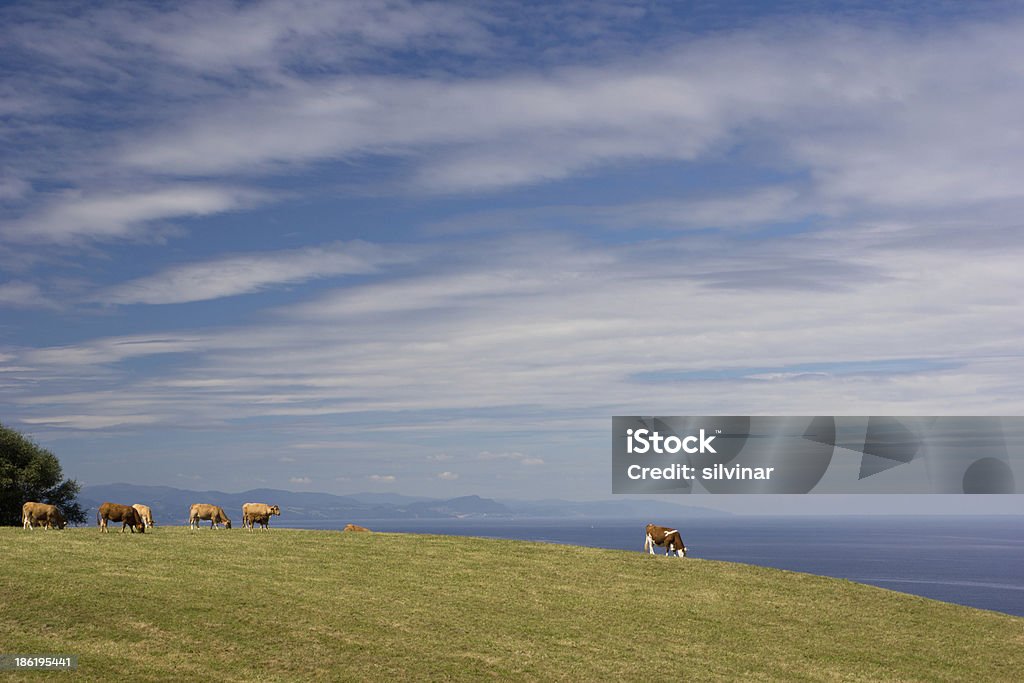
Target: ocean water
(975, 561)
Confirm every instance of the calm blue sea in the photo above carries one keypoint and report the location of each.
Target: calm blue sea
(976, 561)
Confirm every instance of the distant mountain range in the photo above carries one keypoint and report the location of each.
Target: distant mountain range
(170, 505)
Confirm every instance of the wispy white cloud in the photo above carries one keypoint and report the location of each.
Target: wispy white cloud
(861, 116)
(16, 294)
(488, 455)
(112, 350)
(247, 273)
(75, 216)
(448, 476)
(264, 38)
(760, 207)
(571, 344)
(382, 478)
(856, 111)
(513, 456)
(92, 421)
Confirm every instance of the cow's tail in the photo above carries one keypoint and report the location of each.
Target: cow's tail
(97, 516)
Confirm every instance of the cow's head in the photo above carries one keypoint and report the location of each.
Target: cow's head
(227, 523)
(274, 510)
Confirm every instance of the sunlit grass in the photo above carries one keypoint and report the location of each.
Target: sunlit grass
(300, 605)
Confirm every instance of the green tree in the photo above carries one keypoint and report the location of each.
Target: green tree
(30, 472)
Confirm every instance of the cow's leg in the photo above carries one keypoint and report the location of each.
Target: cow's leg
(26, 523)
(649, 544)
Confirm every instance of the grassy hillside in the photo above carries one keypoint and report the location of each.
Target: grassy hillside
(295, 605)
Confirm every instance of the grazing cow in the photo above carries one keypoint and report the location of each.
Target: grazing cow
(665, 537)
(126, 514)
(355, 527)
(214, 513)
(145, 513)
(47, 516)
(253, 513)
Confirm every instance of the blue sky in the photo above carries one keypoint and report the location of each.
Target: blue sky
(431, 248)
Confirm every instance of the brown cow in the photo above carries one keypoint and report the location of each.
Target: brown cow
(665, 537)
(355, 527)
(253, 513)
(214, 513)
(47, 516)
(145, 513)
(126, 514)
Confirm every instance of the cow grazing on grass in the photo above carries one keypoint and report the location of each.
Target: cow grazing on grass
(203, 511)
(664, 537)
(126, 514)
(258, 513)
(41, 514)
(145, 513)
(356, 527)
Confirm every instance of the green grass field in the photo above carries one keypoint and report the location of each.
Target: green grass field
(301, 605)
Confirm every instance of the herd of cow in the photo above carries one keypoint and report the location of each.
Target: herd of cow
(140, 517)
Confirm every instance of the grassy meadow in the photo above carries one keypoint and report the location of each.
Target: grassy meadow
(324, 605)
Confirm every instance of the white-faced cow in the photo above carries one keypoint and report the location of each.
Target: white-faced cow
(664, 537)
(126, 514)
(258, 513)
(203, 511)
(41, 514)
